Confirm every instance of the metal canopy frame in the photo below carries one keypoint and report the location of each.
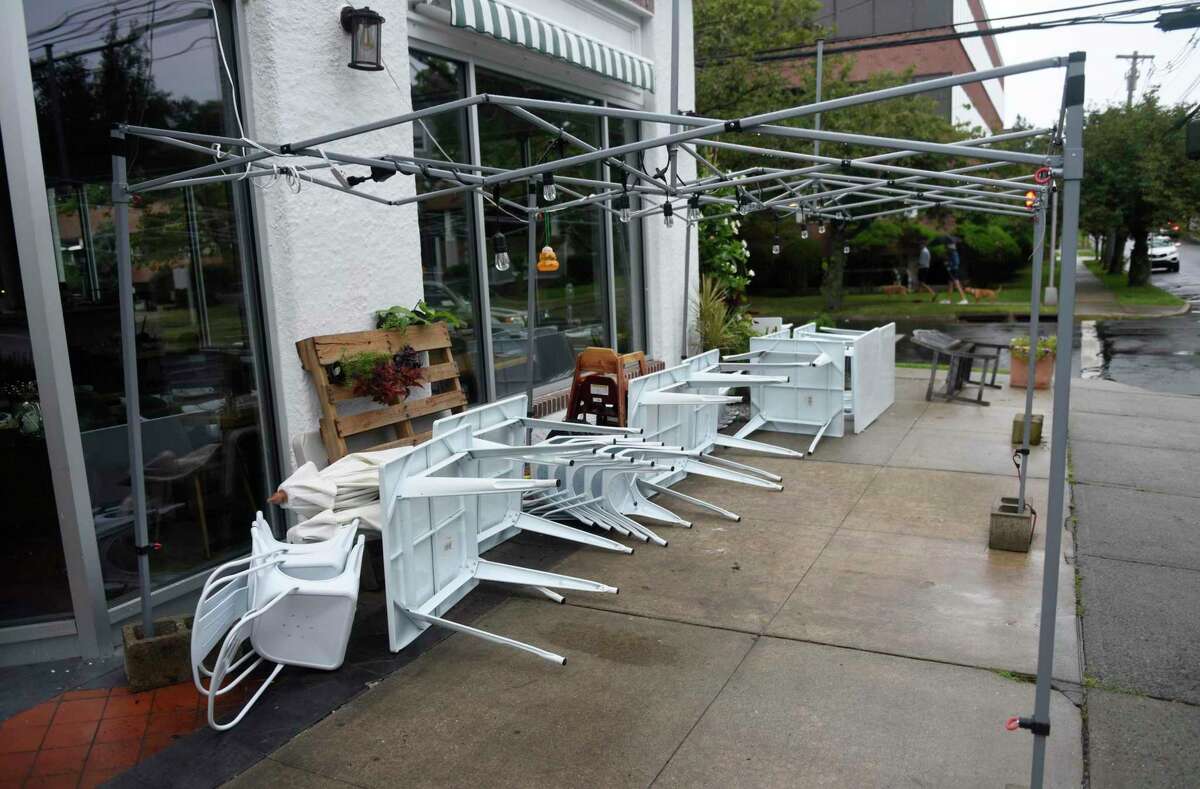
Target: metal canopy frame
(814, 190)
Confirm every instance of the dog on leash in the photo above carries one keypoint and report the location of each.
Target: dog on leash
(984, 294)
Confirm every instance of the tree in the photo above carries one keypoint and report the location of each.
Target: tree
(731, 83)
(1136, 178)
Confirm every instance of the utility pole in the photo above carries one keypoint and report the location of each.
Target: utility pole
(1131, 76)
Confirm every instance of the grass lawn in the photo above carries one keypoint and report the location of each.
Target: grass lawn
(1012, 299)
(1141, 295)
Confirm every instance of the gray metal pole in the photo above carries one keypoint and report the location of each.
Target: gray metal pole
(1072, 176)
(674, 60)
(133, 416)
(531, 295)
(817, 96)
(1039, 244)
(687, 273)
(1052, 289)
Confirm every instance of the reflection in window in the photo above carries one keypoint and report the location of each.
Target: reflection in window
(32, 563)
(95, 64)
(447, 229)
(572, 303)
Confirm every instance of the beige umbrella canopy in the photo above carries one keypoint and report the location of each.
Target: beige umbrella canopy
(337, 494)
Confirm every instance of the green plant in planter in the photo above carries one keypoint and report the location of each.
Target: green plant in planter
(719, 324)
(399, 318)
(1019, 347)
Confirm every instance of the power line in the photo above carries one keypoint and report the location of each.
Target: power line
(796, 53)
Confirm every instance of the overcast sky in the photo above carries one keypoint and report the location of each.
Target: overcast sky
(1175, 70)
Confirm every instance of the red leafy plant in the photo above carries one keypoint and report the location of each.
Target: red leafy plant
(386, 379)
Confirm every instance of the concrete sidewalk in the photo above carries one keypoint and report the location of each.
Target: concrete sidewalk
(1137, 504)
(851, 630)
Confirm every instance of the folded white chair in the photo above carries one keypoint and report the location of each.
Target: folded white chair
(431, 544)
(294, 604)
(499, 449)
(308, 560)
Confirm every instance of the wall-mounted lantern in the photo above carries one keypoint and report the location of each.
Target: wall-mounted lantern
(366, 46)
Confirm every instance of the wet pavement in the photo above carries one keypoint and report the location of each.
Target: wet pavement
(851, 630)
(1137, 532)
(1159, 354)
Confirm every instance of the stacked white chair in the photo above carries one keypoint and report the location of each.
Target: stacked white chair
(292, 604)
(500, 449)
(871, 357)
(431, 545)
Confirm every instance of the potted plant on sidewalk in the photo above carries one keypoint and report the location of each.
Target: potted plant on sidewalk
(1043, 370)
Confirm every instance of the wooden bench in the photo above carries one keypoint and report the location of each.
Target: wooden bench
(440, 374)
(962, 356)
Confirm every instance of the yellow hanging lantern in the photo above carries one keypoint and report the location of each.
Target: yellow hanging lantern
(547, 260)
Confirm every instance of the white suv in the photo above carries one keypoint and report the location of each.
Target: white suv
(1164, 253)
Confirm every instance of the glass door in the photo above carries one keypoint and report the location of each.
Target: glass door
(95, 64)
(572, 302)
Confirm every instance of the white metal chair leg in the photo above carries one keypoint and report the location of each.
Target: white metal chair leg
(732, 442)
(701, 503)
(754, 423)
(528, 522)
(485, 570)
(813, 446)
(733, 464)
(704, 470)
(555, 596)
(644, 508)
(486, 636)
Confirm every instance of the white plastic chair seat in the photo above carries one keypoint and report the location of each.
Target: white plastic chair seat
(310, 626)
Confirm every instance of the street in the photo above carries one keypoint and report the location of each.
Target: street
(1158, 354)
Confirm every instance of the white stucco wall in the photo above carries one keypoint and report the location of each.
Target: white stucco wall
(329, 260)
(664, 248)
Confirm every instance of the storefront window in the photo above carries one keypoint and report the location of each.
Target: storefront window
(447, 237)
(32, 563)
(95, 64)
(572, 302)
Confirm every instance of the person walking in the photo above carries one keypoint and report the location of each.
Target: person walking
(953, 269)
(918, 272)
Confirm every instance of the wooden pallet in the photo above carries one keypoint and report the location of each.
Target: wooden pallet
(441, 374)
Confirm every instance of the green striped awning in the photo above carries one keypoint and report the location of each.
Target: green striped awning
(516, 26)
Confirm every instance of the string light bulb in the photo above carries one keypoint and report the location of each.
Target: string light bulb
(500, 247)
(821, 228)
(775, 246)
(693, 208)
(622, 205)
(668, 215)
(549, 190)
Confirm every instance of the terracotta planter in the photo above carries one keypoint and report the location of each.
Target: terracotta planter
(1043, 371)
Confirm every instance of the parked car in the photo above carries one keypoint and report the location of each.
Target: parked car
(1164, 253)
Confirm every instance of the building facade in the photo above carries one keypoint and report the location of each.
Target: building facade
(887, 21)
(228, 276)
